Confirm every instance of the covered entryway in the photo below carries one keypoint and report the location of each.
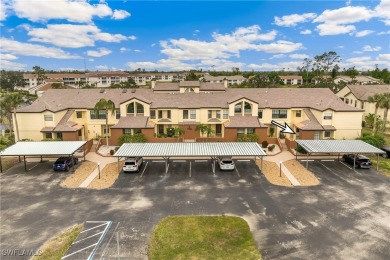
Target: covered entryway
(169, 150)
(41, 149)
(337, 147)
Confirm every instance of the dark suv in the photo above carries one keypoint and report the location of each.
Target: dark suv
(386, 149)
(360, 162)
(64, 163)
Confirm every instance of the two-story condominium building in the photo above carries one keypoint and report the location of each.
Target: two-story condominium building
(291, 80)
(231, 80)
(69, 115)
(357, 96)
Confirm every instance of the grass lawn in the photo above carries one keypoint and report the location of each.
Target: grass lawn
(56, 247)
(202, 237)
(384, 163)
(8, 162)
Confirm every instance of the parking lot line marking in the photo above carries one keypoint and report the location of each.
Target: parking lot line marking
(326, 167)
(243, 160)
(327, 160)
(144, 168)
(100, 240)
(93, 228)
(33, 167)
(307, 160)
(346, 165)
(87, 237)
(179, 161)
(237, 172)
(79, 251)
(190, 169)
(200, 160)
(159, 161)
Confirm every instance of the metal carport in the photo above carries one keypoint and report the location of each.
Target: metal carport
(338, 147)
(43, 148)
(206, 149)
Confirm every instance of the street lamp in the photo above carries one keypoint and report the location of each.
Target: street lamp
(99, 169)
(280, 169)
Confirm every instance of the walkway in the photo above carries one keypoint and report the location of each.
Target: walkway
(94, 157)
(280, 158)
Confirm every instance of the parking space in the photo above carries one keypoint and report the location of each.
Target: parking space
(200, 170)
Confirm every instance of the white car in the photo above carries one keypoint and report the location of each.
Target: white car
(226, 164)
(132, 164)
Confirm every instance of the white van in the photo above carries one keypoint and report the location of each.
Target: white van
(132, 164)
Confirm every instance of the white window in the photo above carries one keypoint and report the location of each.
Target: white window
(192, 114)
(225, 114)
(48, 117)
(328, 115)
(316, 135)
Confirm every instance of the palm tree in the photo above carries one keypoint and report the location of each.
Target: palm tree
(179, 132)
(377, 99)
(205, 130)
(385, 104)
(11, 102)
(108, 106)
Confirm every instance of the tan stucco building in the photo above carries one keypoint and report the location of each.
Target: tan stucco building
(68, 114)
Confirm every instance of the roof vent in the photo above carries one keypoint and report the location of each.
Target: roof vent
(124, 90)
(102, 91)
(133, 90)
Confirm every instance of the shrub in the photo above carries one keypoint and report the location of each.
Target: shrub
(271, 148)
(112, 151)
(247, 138)
(377, 140)
(136, 138)
(170, 132)
(264, 144)
(282, 135)
(300, 149)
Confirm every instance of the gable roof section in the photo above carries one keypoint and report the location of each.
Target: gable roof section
(133, 122)
(275, 98)
(362, 92)
(243, 121)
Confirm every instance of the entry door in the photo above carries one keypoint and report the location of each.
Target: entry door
(218, 130)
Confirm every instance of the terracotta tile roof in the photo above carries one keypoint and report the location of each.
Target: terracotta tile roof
(205, 86)
(312, 123)
(362, 92)
(161, 86)
(133, 122)
(243, 121)
(315, 98)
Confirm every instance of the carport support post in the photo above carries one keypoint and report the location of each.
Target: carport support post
(377, 162)
(213, 165)
(25, 164)
(119, 171)
(354, 161)
(307, 160)
(261, 158)
(1, 165)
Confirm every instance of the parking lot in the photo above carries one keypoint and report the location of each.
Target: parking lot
(345, 217)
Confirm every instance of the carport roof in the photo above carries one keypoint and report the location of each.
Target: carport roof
(42, 148)
(189, 149)
(337, 146)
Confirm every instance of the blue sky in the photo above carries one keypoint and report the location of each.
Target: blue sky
(183, 35)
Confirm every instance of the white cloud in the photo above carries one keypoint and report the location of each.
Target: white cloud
(120, 14)
(383, 33)
(76, 11)
(299, 56)
(306, 31)
(363, 33)
(123, 49)
(286, 66)
(10, 65)
(91, 60)
(224, 46)
(369, 48)
(294, 19)
(345, 15)
(72, 35)
(6, 56)
(161, 65)
(102, 67)
(132, 37)
(4, 5)
(136, 50)
(382, 11)
(27, 49)
(99, 53)
(367, 63)
(334, 29)
(384, 57)
(278, 56)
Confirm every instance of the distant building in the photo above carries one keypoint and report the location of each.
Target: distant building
(291, 80)
(231, 80)
(358, 80)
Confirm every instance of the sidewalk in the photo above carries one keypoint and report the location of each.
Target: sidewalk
(94, 157)
(279, 159)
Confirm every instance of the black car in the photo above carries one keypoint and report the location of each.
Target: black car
(65, 163)
(361, 161)
(386, 149)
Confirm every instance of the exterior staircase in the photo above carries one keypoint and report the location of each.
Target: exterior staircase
(283, 144)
